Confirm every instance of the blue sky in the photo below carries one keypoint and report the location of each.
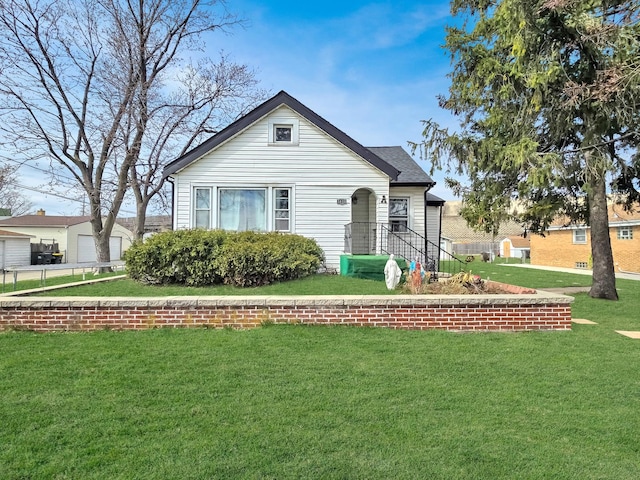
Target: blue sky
(373, 69)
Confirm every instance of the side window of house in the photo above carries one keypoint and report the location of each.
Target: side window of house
(202, 204)
(625, 233)
(580, 236)
(282, 209)
(399, 214)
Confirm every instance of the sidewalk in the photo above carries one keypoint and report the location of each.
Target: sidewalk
(42, 272)
(626, 276)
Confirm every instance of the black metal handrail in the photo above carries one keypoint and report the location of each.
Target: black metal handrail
(367, 238)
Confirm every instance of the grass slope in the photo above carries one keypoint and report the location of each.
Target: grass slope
(322, 402)
(318, 402)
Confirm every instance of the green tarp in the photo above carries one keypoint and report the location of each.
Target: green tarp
(367, 266)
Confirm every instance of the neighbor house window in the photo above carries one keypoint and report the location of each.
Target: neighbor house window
(580, 235)
(399, 214)
(582, 265)
(282, 209)
(202, 205)
(241, 209)
(625, 233)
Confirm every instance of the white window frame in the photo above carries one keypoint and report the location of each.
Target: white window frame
(625, 233)
(271, 204)
(288, 210)
(580, 239)
(292, 123)
(196, 209)
(397, 227)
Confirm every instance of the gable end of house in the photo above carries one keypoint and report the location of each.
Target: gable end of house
(282, 98)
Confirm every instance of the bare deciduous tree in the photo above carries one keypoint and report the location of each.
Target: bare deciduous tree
(78, 80)
(206, 97)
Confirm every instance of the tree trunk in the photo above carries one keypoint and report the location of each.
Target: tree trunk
(141, 218)
(604, 279)
(101, 236)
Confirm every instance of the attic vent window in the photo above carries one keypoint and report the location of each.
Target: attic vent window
(283, 133)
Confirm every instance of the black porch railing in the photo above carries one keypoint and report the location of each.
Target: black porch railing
(365, 238)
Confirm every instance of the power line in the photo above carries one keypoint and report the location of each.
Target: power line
(61, 196)
(24, 164)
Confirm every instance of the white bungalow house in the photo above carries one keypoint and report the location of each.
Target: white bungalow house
(282, 167)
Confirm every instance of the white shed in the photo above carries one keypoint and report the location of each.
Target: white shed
(15, 249)
(515, 247)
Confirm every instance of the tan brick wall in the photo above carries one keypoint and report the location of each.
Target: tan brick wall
(557, 249)
(476, 313)
(626, 253)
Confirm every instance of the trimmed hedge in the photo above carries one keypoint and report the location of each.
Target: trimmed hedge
(209, 257)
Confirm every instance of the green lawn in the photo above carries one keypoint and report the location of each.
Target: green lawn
(326, 402)
(314, 285)
(323, 284)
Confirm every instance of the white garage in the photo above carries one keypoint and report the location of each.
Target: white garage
(87, 249)
(15, 249)
(72, 234)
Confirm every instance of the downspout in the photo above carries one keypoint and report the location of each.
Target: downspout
(173, 207)
(426, 235)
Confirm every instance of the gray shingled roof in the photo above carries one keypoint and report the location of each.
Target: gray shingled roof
(411, 174)
(282, 98)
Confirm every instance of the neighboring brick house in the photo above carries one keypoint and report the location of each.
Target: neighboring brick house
(570, 246)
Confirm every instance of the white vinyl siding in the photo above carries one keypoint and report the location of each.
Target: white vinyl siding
(417, 211)
(320, 171)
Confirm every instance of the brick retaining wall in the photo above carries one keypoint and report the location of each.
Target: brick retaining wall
(540, 311)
